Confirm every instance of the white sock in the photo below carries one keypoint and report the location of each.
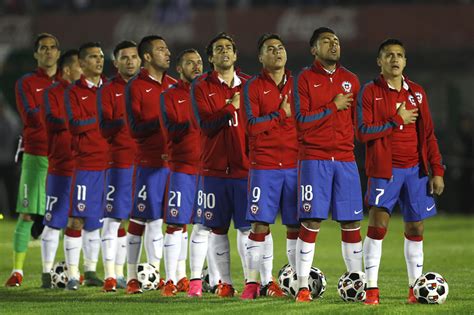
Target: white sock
(266, 266)
(109, 245)
(121, 256)
(291, 252)
(134, 248)
(352, 252)
(91, 247)
(372, 255)
(254, 255)
(304, 259)
(242, 238)
(172, 249)
(198, 249)
(183, 255)
(414, 259)
(72, 253)
(220, 251)
(49, 246)
(154, 242)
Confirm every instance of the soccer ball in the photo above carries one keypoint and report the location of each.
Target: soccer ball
(287, 280)
(59, 275)
(431, 288)
(148, 276)
(351, 286)
(206, 286)
(316, 282)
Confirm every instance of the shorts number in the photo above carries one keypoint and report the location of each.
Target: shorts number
(256, 194)
(377, 198)
(207, 201)
(109, 194)
(306, 192)
(142, 193)
(175, 195)
(81, 192)
(234, 122)
(50, 201)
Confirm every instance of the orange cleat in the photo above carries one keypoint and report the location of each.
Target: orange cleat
(161, 284)
(169, 289)
(304, 295)
(225, 290)
(15, 280)
(272, 289)
(372, 296)
(411, 297)
(133, 287)
(183, 285)
(110, 285)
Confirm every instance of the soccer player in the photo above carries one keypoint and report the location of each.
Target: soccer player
(142, 96)
(184, 152)
(31, 195)
(119, 176)
(273, 159)
(328, 177)
(90, 151)
(216, 102)
(60, 158)
(403, 162)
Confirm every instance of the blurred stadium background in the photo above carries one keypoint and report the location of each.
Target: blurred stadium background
(439, 38)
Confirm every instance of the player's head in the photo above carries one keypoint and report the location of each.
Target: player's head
(91, 59)
(271, 51)
(126, 59)
(222, 52)
(189, 64)
(68, 65)
(391, 57)
(46, 50)
(324, 45)
(154, 52)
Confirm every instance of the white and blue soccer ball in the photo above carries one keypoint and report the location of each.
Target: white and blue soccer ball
(351, 286)
(59, 275)
(148, 276)
(288, 281)
(431, 288)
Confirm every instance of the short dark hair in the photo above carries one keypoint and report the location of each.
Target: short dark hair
(41, 36)
(317, 32)
(83, 48)
(145, 45)
(66, 58)
(179, 59)
(389, 42)
(123, 45)
(222, 35)
(265, 37)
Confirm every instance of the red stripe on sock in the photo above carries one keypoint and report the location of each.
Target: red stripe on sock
(136, 229)
(292, 235)
(257, 237)
(220, 231)
(351, 236)
(171, 230)
(307, 235)
(376, 233)
(73, 233)
(414, 238)
(121, 232)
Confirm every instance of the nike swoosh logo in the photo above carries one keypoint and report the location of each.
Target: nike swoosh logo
(357, 212)
(419, 266)
(71, 248)
(134, 243)
(267, 257)
(181, 101)
(357, 251)
(101, 220)
(193, 241)
(212, 94)
(266, 92)
(430, 208)
(169, 245)
(118, 94)
(317, 85)
(39, 90)
(158, 239)
(301, 252)
(250, 247)
(107, 239)
(378, 98)
(148, 90)
(84, 97)
(220, 254)
(370, 267)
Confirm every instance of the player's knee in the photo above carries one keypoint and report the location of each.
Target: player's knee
(350, 224)
(220, 231)
(414, 228)
(75, 223)
(171, 228)
(376, 233)
(311, 224)
(260, 227)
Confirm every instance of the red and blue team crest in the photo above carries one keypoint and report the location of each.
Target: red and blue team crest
(48, 216)
(81, 206)
(174, 212)
(346, 86)
(208, 215)
(141, 207)
(254, 209)
(199, 212)
(307, 207)
(109, 207)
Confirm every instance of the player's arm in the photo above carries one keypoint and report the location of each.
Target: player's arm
(367, 128)
(55, 121)
(353, 107)
(105, 110)
(173, 129)
(78, 123)
(29, 111)
(139, 127)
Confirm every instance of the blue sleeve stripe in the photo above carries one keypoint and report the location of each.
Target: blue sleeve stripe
(24, 100)
(360, 117)
(193, 99)
(299, 117)
(47, 105)
(248, 107)
(163, 110)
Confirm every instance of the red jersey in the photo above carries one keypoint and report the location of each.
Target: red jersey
(223, 138)
(324, 133)
(142, 100)
(113, 124)
(60, 158)
(377, 119)
(181, 135)
(89, 147)
(29, 91)
(272, 136)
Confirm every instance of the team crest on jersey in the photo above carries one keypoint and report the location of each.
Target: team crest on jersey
(307, 207)
(174, 212)
(419, 97)
(25, 203)
(141, 207)
(48, 216)
(346, 86)
(254, 209)
(109, 207)
(208, 215)
(81, 206)
(199, 212)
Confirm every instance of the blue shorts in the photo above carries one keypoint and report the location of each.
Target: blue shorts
(118, 196)
(225, 199)
(271, 191)
(87, 198)
(409, 188)
(150, 188)
(58, 196)
(199, 203)
(180, 198)
(329, 185)
(93, 223)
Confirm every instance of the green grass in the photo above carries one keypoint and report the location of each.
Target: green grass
(448, 250)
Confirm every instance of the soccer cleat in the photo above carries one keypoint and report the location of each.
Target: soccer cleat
(169, 289)
(272, 289)
(15, 280)
(161, 284)
(121, 283)
(372, 296)
(183, 285)
(110, 285)
(46, 280)
(81, 279)
(195, 288)
(303, 295)
(225, 290)
(251, 291)
(91, 279)
(133, 287)
(411, 297)
(73, 285)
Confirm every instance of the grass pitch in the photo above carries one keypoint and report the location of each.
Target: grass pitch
(448, 250)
